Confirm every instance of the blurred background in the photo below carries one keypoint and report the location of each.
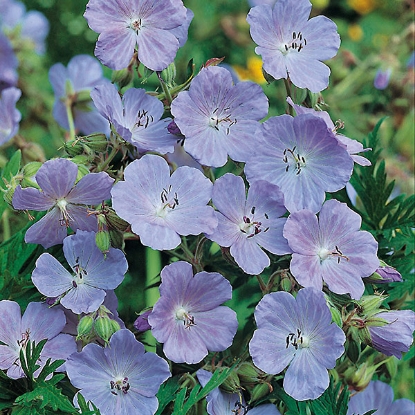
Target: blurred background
(372, 77)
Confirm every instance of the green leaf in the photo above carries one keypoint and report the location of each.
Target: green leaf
(167, 393)
(46, 396)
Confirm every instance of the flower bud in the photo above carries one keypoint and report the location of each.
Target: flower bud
(97, 142)
(286, 284)
(115, 222)
(102, 239)
(141, 323)
(85, 326)
(260, 390)
(248, 373)
(104, 327)
(74, 147)
(359, 378)
(169, 75)
(370, 304)
(117, 239)
(384, 274)
(270, 79)
(231, 383)
(122, 77)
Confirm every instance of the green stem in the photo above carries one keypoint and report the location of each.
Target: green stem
(165, 88)
(6, 225)
(69, 114)
(287, 84)
(106, 163)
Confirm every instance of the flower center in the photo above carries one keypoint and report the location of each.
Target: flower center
(143, 119)
(188, 319)
(325, 253)
(119, 385)
(169, 201)
(135, 25)
(222, 119)
(80, 273)
(251, 226)
(297, 43)
(294, 159)
(297, 340)
(65, 219)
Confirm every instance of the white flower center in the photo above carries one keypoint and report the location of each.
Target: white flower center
(251, 226)
(119, 385)
(292, 158)
(297, 340)
(184, 315)
(169, 201)
(222, 118)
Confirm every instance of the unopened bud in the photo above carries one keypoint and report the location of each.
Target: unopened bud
(231, 383)
(117, 239)
(286, 284)
(260, 390)
(370, 304)
(359, 378)
(384, 274)
(102, 240)
(97, 142)
(74, 147)
(169, 75)
(115, 222)
(123, 77)
(269, 78)
(141, 323)
(85, 326)
(104, 328)
(248, 373)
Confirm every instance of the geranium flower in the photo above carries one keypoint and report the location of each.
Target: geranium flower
(83, 292)
(298, 333)
(64, 200)
(302, 158)
(188, 317)
(161, 207)
(247, 224)
(379, 395)
(74, 83)
(38, 322)
(119, 379)
(331, 248)
(136, 117)
(394, 338)
(292, 46)
(222, 403)
(150, 25)
(352, 146)
(9, 115)
(218, 118)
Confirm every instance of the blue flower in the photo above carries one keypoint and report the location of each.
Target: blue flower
(298, 333)
(292, 46)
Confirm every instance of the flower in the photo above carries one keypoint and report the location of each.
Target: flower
(385, 274)
(38, 322)
(382, 78)
(302, 158)
(161, 207)
(248, 223)
(395, 337)
(141, 323)
(151, 26)
(8, 63)
(120, 379)
(136, 117)
(292, 46)
(379, 395)
(222, 403)
(352, 146)
(188, 317)
(33, 25)
(9, 115)
(298, 333)
(64, 200)
(331, 248)
(218, 118)
(74, 84)
(94, 273)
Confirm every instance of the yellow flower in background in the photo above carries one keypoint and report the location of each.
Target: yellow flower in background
(355, 32)
(252, 72)
(362, 6)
